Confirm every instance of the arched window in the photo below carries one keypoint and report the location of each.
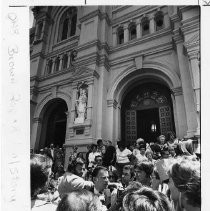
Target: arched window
(145, 26)
(57, 64)
(159, 20)
(132, 31)
(49, 66)
(68, 24)
(120, 35)
(65, 61)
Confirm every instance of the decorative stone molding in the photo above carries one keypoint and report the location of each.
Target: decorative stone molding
(137, 13)
(177, 91)
(86, 126)
(90, 15)
(139, 62)
(178, 36)
(37, 120)
(135, 42)
(112, 103)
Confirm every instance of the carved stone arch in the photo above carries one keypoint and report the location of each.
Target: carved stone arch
(43, 103)
(154, 69)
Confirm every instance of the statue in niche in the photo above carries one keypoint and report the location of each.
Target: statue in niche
(81, 104)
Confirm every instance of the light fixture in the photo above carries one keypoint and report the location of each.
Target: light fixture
(153, 127)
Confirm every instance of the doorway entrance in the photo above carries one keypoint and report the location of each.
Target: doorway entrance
(146, 113)
(148, 126)
(54, 124)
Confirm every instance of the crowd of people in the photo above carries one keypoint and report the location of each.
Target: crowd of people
(160, 176)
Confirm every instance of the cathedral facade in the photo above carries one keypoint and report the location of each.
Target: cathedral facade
(113, 72)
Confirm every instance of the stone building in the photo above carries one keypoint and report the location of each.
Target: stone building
(113, 72)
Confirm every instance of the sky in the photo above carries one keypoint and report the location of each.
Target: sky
(31, 17)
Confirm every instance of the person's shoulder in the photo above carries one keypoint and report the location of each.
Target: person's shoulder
(41, 205)
(128, 151)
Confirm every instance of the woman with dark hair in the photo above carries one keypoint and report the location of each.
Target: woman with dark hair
(41, 170)
(143, 172)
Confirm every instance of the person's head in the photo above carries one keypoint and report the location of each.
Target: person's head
(170, 136)
(146, 199)
(185, 174)
(51, 146)
(75, 148)
(127, 175)
(188, 145)
(81, 200)
(139, 141)
(143, 172)
(149, 154)
(113, 176)
(172, 151)
(165, 152)
(89, 147)
(142, 149)
(98, 160)
(80, 155)
(77, 167)
(103, 149)
(94, 147)
(121, 145)
(40, 166)
(162, 139)
(155, 179)
(99, 142)
(100, 176)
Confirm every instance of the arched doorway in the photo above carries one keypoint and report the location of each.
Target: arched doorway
(54, 123)
(146, 112)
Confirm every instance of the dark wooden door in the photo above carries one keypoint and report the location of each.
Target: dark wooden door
(148, 124)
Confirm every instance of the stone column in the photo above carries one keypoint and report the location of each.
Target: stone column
(111, 121)
(53, 65)
(60, 63)
(138, 28)
(186, 85)
(114, 35)
(126, 33)
(152, 24)
(74, 98)
(90, 100)
(166, 21)
(43, 29)
(196, 85)
(36, 31)
(69, 59)
(179, 112)
(36, 132)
